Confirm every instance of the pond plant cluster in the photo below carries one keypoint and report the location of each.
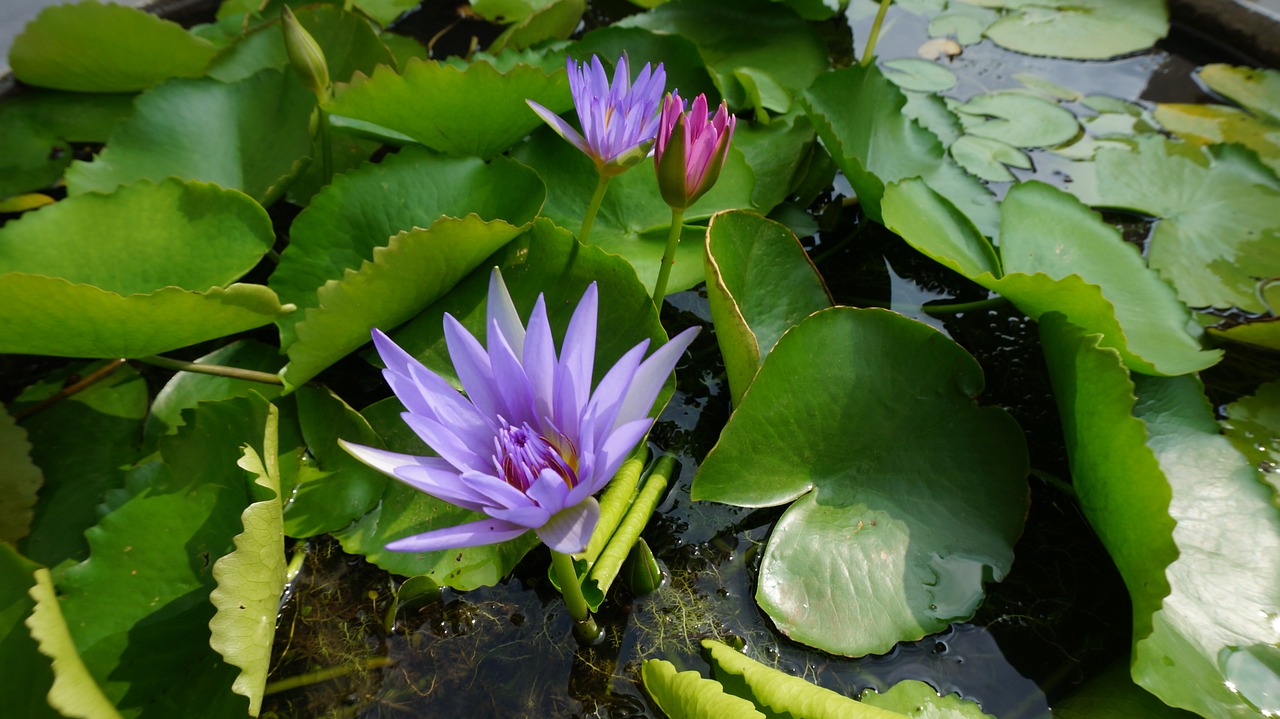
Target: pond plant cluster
(204, 463)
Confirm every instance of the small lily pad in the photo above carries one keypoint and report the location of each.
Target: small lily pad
(987, 158)
(911, 73)
(1018, 120)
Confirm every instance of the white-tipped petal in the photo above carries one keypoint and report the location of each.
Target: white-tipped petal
(569, 531)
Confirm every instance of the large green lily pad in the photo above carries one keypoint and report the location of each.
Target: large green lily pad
(99, 47)
(1186, 519)
(1078, 29)
(906, 496)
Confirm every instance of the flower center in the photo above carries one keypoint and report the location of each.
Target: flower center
(520, 454)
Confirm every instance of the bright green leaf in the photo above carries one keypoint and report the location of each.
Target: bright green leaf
(1219, 210)
(251, 578)
(74, 693)
(253, 135)
(687, 695)
(1191, 529)
(919, 701)
(97, 323)
(859, 116)
(760, 283)
(477, 111)
(141, 238)
(1080, 29)
(97, 47)
(851, 416)
(37, 126)
(28, 674)
(19, 482)
(1018, 120)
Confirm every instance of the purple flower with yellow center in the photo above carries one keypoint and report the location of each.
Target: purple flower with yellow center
(619, 120)
(530, 443)
(691, 150)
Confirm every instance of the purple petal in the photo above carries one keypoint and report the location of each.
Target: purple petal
(569, 531)
(530, 517)
(562, 128)
(651, 375)
(540, 359)
(431, 475)
(511, 385)
(471, 362)
(464, 453)
(577, 359)
(501, 310)
(472, 534)
(606, 401)
(549, 491)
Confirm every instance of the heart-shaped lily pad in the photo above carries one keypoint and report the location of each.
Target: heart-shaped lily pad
(906, 496)
(1079, 29)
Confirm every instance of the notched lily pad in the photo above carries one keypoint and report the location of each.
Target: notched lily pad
(827, 427)
(1078, 29)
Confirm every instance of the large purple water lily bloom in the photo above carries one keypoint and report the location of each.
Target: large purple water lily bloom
(530, 443)
(618, 121)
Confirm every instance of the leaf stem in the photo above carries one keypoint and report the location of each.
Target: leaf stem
(584, 625)
(92, 378)
(956, 308)
(324, 675)
(593, 207)
(1058, 484)
(213, 369)
(668, 257)
(868, 53)
(325, 139)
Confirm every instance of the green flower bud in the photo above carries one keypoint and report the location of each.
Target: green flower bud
(305, 55)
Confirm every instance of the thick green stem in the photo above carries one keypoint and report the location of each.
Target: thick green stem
(593, 207)
(213, 369)
(324, 675)
(584, 625)
(323, 137)
(869, 53)
(668, 257)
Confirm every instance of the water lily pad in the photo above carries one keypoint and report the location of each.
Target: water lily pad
(477, 111)
(1219, 231)
(1256, 90)
(141, 238)
(20, 482)
(1058, 257)
(760, 283)
(237, 147)
(139, 605)
(1080, 29)
(850, 418)
(859, 116)
(1191, 529)
(987, 158)
(80, 445)
(768, 36)
(346, 38)
(1253, 426)
(1211, 124)
(1017, 119)
(912, 73)
(37, 127)
(97, 47)
(919, 700)
(251, 577)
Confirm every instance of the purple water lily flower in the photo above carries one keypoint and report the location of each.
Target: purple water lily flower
(691, 150)
(617, 121)
(530, 443)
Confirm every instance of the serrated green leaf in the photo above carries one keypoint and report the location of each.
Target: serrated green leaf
(780, 694)
(74, 693)
(760, 283)
(1080, 29)
(97, 47)
(254, 136)
(251, 577)
(97, 323)
(859, 116)
(850, 418)
(20, 481)
(477, 111)
(687, 695)
(80, 443)
(28, 674)
(142, 237)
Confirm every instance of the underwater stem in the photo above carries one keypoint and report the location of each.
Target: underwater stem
(868, 54)
(324, 675)
(213, 369)
(584, 625)
(668, 257)
(593, 207)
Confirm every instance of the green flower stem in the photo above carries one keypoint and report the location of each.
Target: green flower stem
(668, 257)
(593, 207)
(868, 54)
(584, 625)
(325, 140)
(87, 381)
(1055, 482)
(213, 369)
(606, 568)
(324, 675)
(956, 308)
(615, 500)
